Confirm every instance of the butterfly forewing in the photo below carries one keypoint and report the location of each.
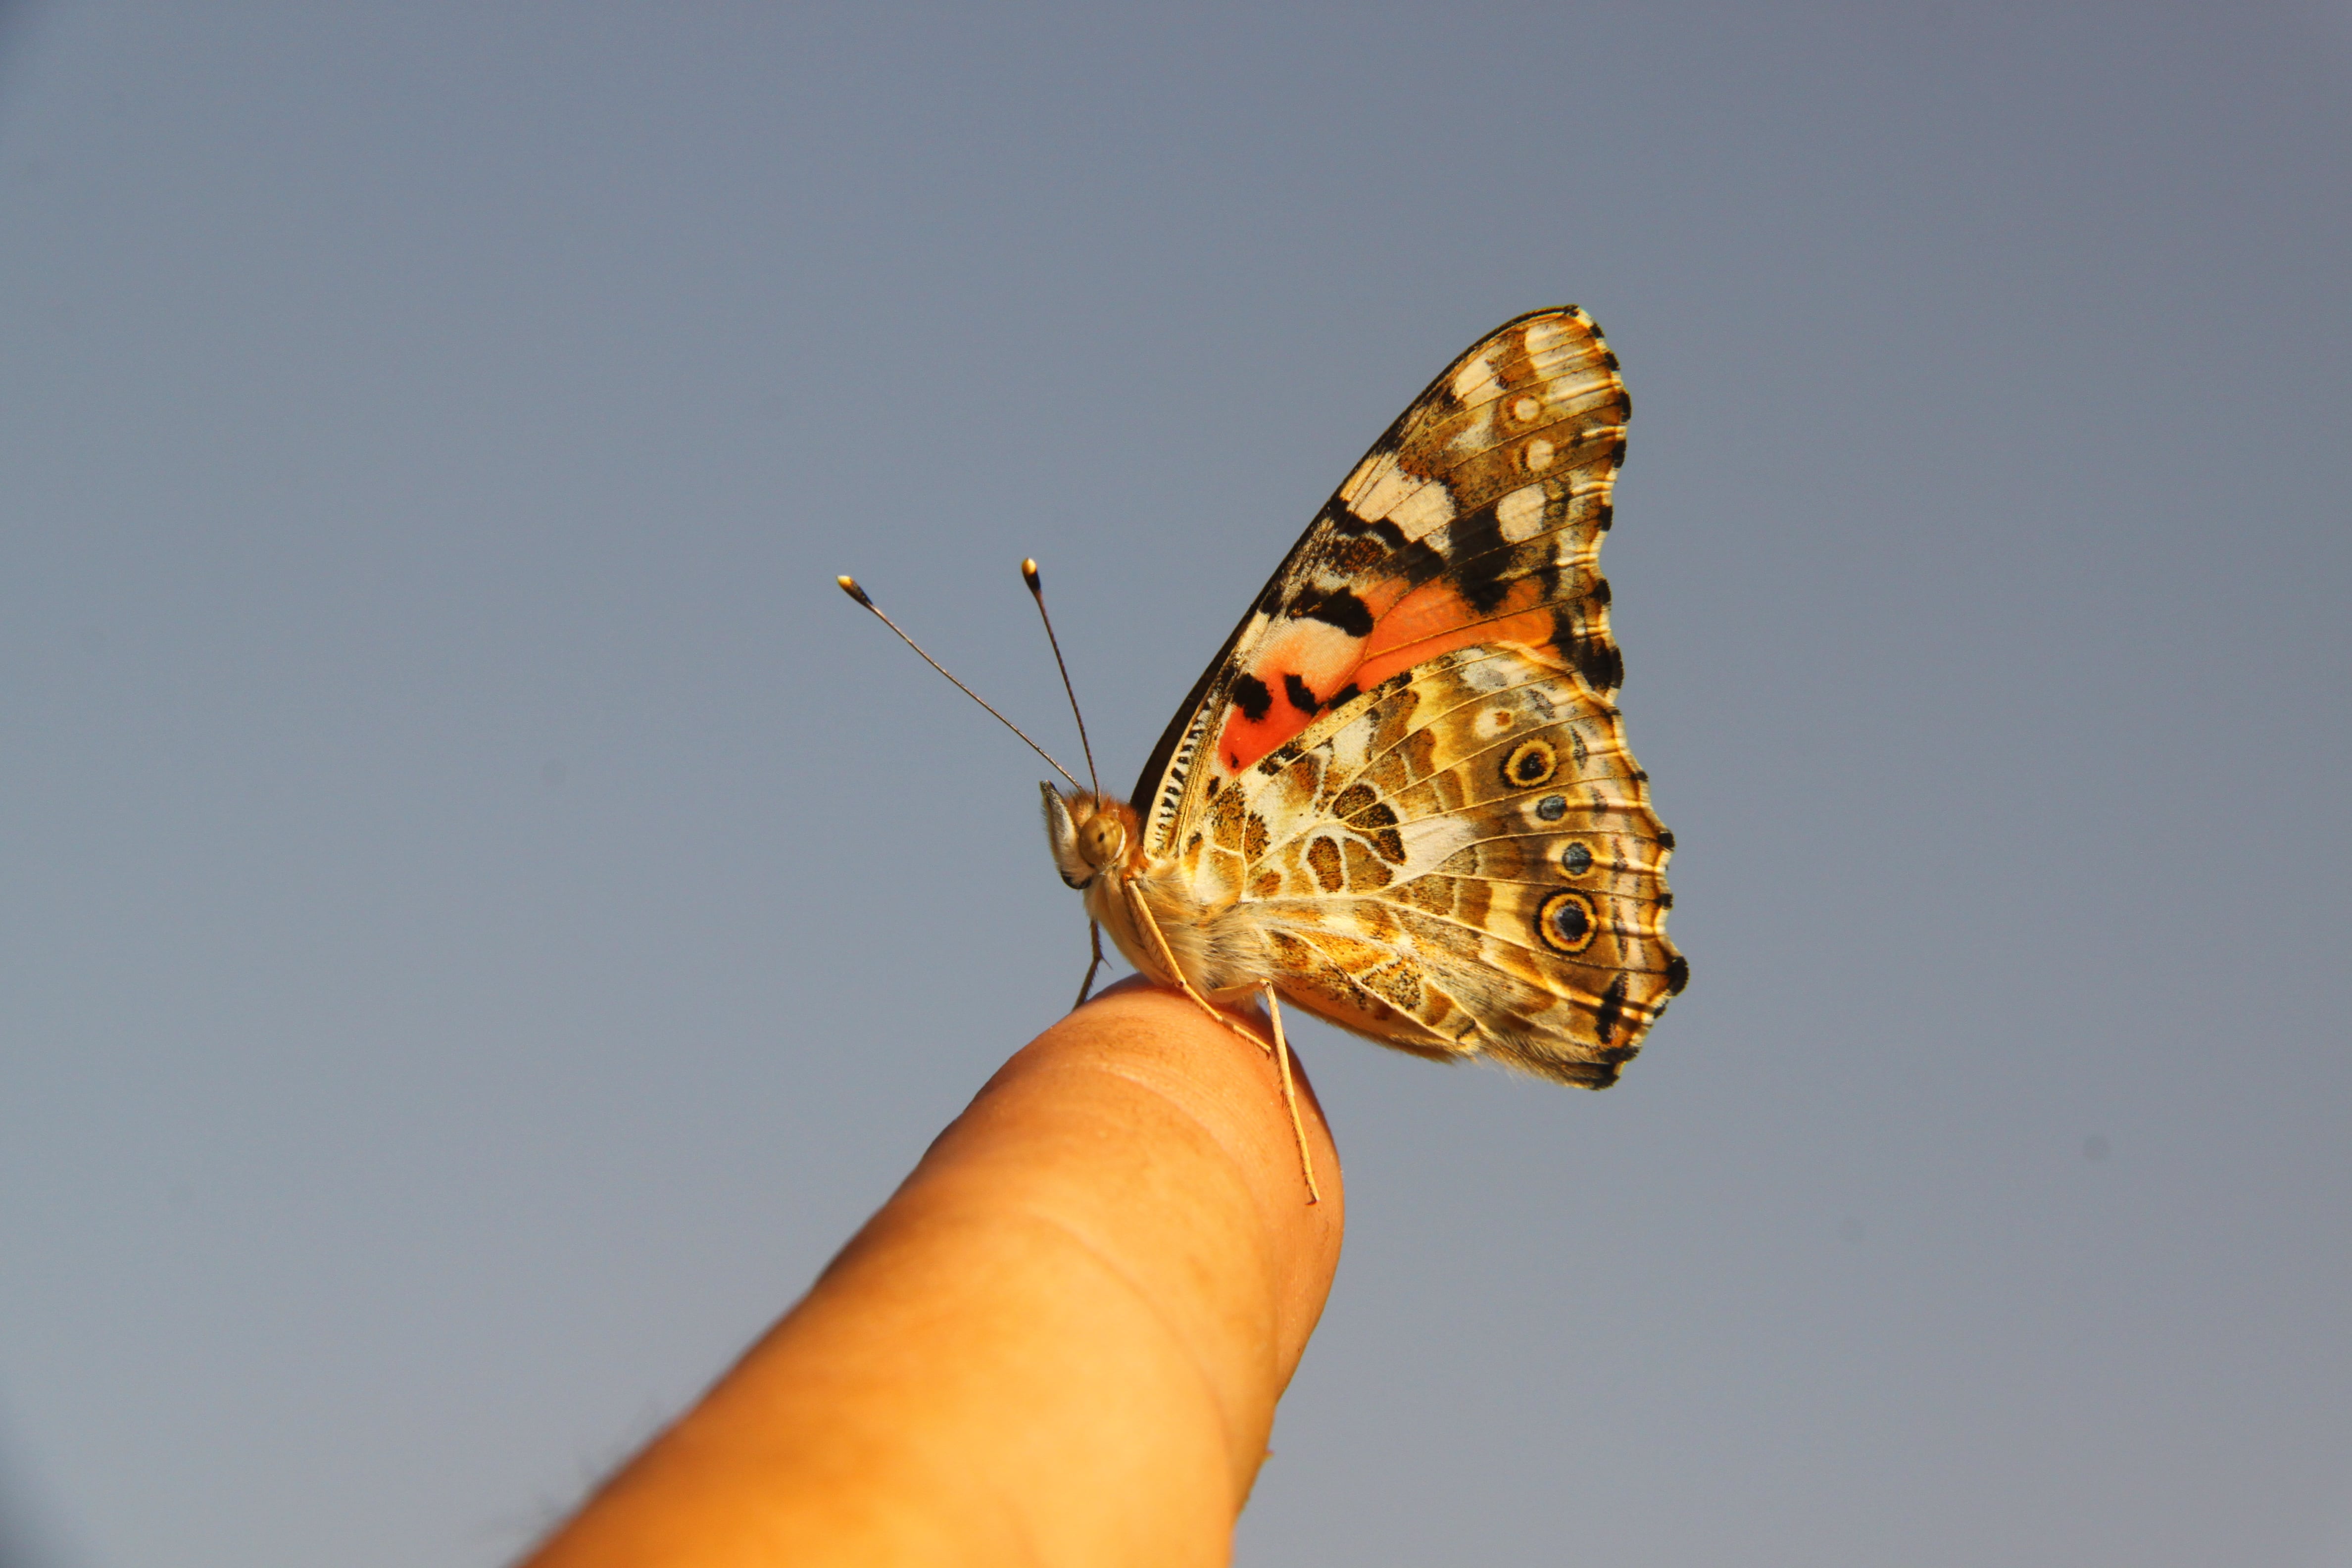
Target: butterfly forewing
(1476, 518)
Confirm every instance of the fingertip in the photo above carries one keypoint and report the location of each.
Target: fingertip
(1225, 1081)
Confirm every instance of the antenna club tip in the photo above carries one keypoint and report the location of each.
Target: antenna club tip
(1029, 575)
(849, 586)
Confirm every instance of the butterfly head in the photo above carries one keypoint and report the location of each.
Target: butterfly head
(1088, 833)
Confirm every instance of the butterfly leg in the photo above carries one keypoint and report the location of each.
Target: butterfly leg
(1290, 1091)
(1085, 986)
(1280, 1052)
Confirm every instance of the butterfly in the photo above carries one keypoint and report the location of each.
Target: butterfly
(1400, 796)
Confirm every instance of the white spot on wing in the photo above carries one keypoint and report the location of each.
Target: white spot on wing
(1521, 513)
(1367, 474)
(1429, 507)
(1538, 455)
(1415, 505)
(1545, 335)
(1476, 382)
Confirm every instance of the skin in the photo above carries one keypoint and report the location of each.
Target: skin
(1059, 1343)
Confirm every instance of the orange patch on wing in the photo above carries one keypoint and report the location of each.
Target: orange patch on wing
(1409, 628)
(1434, 618)
(1319, 656)
(1246, 739)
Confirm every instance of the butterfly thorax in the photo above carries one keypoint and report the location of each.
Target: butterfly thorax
(1097, 846)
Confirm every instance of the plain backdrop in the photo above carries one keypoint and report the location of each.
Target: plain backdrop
(482, 918)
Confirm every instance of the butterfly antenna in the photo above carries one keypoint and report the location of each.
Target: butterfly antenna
(1037, 592)
(849, 586)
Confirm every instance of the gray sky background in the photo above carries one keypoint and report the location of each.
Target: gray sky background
(481, 918)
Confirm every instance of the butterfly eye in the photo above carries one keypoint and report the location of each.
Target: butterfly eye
(1531, 762)
(1576, 858)
(1102, 839)
(1566, 922)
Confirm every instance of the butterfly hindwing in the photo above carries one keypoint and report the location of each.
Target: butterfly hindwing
(1463, 862)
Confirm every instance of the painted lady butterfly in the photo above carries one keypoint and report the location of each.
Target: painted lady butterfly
(1400, 796)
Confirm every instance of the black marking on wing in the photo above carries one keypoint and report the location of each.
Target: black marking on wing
(1610, 1012)
(1302, 697)
(1337, 608)
(1347, 522)
(1596, 658)
(1417, 562)
(1483, 559)
(1251, 695)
